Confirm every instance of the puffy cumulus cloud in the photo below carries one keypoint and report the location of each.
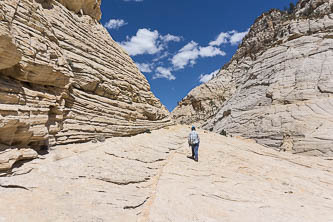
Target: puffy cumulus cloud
(191, 52)
(171, 38)
(222, 38)
(162, 72)
(147, 42)
(237, 37)
(188, 54)
(151, 42)
(145, 67)
(233, 37)
(144, 42)
(115, 23)
(206, 77)
(210, 51)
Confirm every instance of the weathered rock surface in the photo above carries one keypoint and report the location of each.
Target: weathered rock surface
(149, 178)
(8, 157)
(278, 87)
(64, 80)
(204, 101)
(86, 7)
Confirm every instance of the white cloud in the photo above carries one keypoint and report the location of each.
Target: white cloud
(237, 37)
(171, 38)
(210, 51)
(162, 72)
(206, 77)
(151, 42)
(162, 56)
(233, 37)
(222, 38)
(144, 67)
(144, 42)
(133, 0)
(191, 52)
(147, 42)
(188, 54)
(115, 23)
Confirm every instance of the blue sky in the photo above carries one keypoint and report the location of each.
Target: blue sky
(178, 44)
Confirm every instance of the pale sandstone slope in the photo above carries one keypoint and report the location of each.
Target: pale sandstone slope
(64, 80)
(148, 177)
(278, 87)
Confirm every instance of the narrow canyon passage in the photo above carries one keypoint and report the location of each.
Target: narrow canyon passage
(149, 178)
(73, 82)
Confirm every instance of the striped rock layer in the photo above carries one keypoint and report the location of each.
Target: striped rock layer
(63, 79)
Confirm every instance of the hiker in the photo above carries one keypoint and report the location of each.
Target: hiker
(193, 142)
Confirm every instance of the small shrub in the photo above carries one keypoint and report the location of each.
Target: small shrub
(223, 133)
(291, 8)
(148, 131)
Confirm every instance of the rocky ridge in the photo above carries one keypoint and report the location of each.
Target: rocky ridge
(64, 80)
(148, 177)
(278, 87)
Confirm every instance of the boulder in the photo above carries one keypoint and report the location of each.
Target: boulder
(9, 157)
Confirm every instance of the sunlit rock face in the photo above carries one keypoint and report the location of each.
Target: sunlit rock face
(278, 87)
(87, 7)
(64, 80)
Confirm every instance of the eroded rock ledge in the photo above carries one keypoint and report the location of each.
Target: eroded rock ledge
(81, 7)
(278, 87)
(87, 7)
(64, 80)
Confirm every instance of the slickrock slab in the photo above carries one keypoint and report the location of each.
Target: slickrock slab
(108, 181)
(149, 178)
(242, 181)
(278, 87)
(64, 80)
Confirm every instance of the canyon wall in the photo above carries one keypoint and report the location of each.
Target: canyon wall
(63, 79)
(278, 87)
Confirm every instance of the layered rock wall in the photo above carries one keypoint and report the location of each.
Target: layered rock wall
(278, 87)
(64, 80)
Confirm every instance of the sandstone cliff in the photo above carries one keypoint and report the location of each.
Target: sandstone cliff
(64, 80)
(278, 87)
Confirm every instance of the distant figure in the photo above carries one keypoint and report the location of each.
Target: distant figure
(193, 142)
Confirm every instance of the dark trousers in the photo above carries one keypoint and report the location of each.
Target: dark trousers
(195, 151)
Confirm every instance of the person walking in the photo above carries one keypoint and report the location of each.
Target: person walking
(193, 142)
